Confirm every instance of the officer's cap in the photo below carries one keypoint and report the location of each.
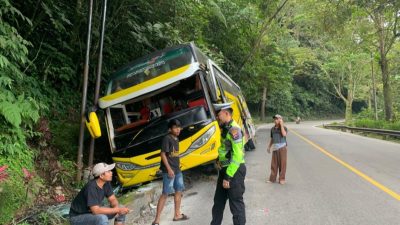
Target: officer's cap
(223, 106)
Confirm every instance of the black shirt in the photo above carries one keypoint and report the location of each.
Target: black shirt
(170, 145)
(90, 195)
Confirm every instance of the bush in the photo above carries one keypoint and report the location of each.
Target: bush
(65, 138)
(17, 192)
(377, 124)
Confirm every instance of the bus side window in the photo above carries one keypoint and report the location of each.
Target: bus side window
(117, 117)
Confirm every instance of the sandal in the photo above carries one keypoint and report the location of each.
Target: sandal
(155, 223)
(183, 217)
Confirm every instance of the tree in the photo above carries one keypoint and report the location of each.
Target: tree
(346, 71)
(385, 15)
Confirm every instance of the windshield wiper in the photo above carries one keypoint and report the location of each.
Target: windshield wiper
(129, 144)
(141, 130)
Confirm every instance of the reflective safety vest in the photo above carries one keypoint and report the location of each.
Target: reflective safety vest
(231, 151)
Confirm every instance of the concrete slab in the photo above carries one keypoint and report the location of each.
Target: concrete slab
(141, 202)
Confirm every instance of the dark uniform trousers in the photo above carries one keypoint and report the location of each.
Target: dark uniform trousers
(235, 196)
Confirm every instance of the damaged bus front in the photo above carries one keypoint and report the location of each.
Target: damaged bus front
(145, 95)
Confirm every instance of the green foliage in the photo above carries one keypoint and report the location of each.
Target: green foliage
(48, 218)
(16, 193)
(366, 119)
(65, 138)
(19, 111)
(378, 124)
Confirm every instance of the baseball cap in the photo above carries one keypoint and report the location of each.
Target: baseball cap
(220, 106)
(100, 168)
(277, 116)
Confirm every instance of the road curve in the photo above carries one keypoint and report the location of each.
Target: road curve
(332, 178)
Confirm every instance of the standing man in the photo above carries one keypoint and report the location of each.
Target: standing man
(87, 207)
(232, 170)
(171, 172)
(278, 145)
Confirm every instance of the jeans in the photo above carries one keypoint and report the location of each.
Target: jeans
(91, 219)
(171, 185)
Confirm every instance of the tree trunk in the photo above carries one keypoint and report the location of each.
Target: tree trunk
(349, 103)
(383, 62)
(374, 89)
(348, 114)
(387, 92)
(263, 103)
(370, 100)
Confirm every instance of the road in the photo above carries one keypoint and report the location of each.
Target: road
(332, 178)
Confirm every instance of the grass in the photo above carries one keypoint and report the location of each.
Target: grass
(377, 124)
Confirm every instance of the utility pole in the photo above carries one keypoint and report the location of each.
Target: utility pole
(98, 76)
(84, 95)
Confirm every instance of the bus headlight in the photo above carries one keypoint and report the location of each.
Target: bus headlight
(203, 139)
(126, 166)
(130, 166)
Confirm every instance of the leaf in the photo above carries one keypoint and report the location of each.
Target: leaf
(5, 81)
(11, 113)
(4, 62)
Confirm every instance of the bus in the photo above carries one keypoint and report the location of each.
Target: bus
(175, 83)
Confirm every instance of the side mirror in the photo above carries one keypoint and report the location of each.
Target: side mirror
(93, 125)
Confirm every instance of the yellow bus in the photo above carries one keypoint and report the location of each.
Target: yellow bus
(175, 83)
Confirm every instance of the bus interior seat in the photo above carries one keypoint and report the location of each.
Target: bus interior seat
(131, 125)
(198, 102)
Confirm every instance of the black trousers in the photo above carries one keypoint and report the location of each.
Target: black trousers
(235, 196)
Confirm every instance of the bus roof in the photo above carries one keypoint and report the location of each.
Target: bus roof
(152, 72)
(131, 65)
(149, 85)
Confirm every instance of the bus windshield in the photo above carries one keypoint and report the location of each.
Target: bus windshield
(150, 67)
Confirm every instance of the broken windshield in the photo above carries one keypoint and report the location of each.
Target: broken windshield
(159, 127)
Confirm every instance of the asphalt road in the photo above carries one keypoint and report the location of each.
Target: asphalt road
(332, 178)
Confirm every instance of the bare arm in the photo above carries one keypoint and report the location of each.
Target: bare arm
(108, 211)
(104, 210)
(114, 209)
(165, 161)
(283, 131)
(113, 201)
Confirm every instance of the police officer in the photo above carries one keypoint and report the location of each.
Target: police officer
(232, 171)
